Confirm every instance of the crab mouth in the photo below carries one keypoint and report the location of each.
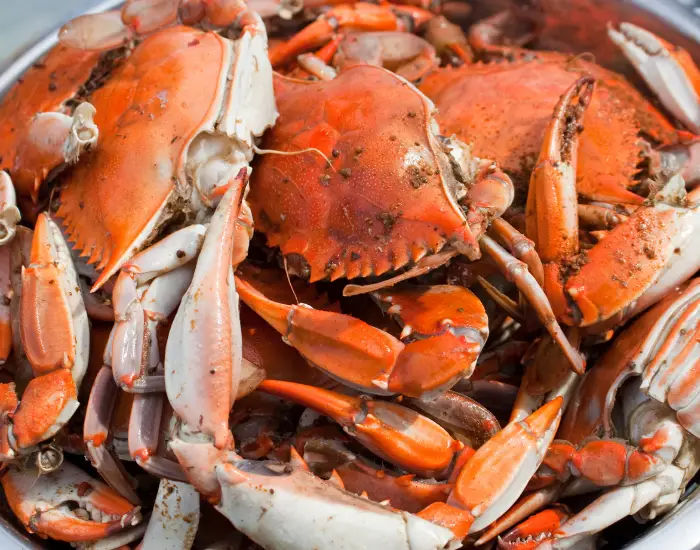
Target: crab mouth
(83, 510)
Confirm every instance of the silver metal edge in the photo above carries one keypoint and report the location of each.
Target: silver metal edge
(26, 59)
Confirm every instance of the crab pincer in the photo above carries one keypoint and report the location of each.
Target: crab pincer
(55, 335)
(486, 484)
(46, 504)
(667, 69)
(445, 328)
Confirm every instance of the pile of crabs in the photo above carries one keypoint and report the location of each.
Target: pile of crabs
(465, 271)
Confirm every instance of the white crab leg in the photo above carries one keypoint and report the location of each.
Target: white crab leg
(616, 504)
(174, 519)
(661, 71)
(159, 260)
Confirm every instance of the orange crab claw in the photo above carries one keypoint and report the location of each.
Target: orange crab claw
(603, 462)
(46, 504)
(530, 533)
(397, 433)
(446, 345)
(492, 479)
(552, 219)
(55, 336)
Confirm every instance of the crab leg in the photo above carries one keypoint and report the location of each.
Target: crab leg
(98, 418)
(445, 328)
(5, 300)
(144, 437)
(137, 316)
(46, 504)
(667, 69)
(55, 336)
(616, 504)
(551, 212)
(542, 525)
(519, 273)
(175, 517)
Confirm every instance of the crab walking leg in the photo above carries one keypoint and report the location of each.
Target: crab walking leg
(520, 246)
(55, 336)
(667, 69)
(144, 437)
(204, 349)
(518, 272)
(447, 325)
(66, 504)
(98, 418)
(175, 517)
(137, 313)
(615, 505)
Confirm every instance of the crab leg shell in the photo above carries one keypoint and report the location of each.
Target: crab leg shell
(616, 504)
(134, 338)
(41, 503)
(175, 517)
(444, 330)
(648, 254)
(98, 418)
(144, 437)
(203, 353)
(518, 272)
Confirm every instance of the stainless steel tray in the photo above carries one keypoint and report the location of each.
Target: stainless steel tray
(675, 20)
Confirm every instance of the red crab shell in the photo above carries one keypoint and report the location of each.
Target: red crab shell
(45, 87)
(148, 112)
(385, 201)
(502, 109)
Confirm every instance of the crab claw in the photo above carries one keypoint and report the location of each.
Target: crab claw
(667, 69)
(531, 532)
(392, 431)
(55, 336)
(302, 503)
(492, 480)
(447, 327)
(66, 504)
